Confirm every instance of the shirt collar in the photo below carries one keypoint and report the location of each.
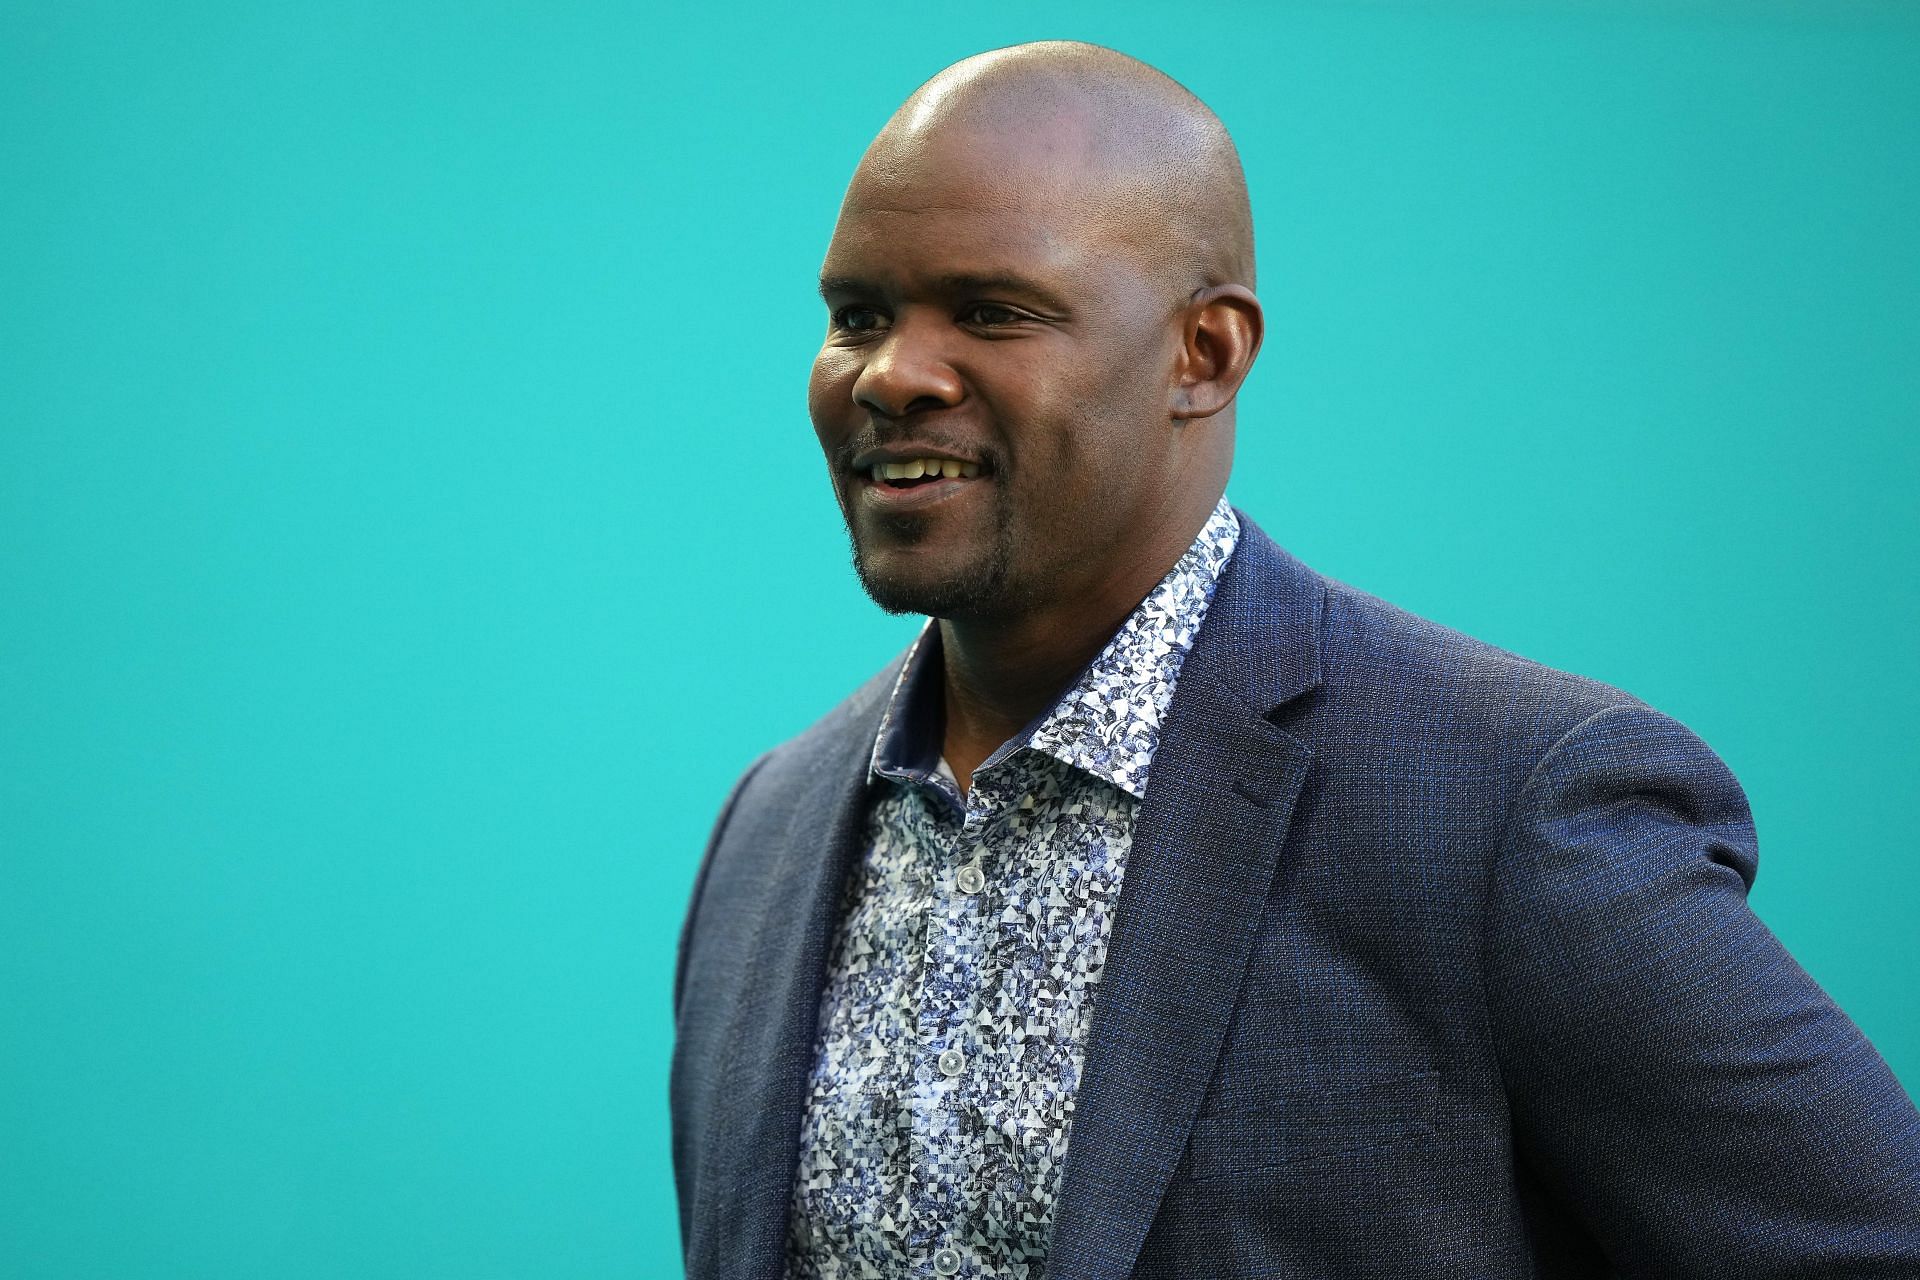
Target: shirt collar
(1108, 721)
(907, 746)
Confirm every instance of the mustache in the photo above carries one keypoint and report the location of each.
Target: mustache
(882, 435)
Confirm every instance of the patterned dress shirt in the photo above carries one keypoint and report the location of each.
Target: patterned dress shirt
(972, 937)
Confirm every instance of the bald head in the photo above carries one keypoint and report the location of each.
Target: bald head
(1042, 277)
(1127, 148)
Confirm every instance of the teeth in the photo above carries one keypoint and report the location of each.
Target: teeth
(916, 468)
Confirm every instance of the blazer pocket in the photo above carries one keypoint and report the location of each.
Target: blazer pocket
(1311, 1124)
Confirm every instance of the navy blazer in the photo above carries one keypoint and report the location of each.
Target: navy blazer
(1430, 961)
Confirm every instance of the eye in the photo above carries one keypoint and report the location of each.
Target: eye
(989, 315)
(855, 319)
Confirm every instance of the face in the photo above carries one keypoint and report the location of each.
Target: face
(992, 393)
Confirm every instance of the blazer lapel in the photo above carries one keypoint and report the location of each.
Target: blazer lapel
(772, 1037)
(1206, 846)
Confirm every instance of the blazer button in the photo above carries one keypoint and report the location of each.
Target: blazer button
(946, 1262)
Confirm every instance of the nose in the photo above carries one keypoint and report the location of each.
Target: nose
(907, 372)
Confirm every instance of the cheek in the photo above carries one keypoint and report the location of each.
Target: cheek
(1121, 436)
(1121, 398)
(830, 393)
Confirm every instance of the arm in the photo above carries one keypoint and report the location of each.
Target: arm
(700, 882)
(681, 1140)
(1691, 1094)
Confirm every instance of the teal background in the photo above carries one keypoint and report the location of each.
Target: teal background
(410, 524)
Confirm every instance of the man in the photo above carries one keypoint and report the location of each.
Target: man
(1169, 909)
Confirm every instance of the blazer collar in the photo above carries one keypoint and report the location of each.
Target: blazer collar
(1263, 635)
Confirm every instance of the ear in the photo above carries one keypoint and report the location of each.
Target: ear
(1220, 334)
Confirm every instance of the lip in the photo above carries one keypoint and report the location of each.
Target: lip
(885, 497)
(877, 495)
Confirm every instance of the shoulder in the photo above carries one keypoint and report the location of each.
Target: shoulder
(1373, 644)
(1392, 676)
(800, 778)
(846, 730)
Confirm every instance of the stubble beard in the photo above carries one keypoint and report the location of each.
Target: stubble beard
(982, 589)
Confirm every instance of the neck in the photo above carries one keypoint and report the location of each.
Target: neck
(1002, 672)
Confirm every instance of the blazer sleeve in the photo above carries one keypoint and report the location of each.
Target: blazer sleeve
(683, 1141)
(700, 882)
(1674, 1076)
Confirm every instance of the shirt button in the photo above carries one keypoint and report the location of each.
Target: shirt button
(946, 1262)
(971, 879)
(952, 1063)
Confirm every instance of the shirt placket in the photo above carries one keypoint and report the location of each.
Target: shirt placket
(948, 1057)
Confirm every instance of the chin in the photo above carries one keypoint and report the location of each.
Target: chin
(977, 589)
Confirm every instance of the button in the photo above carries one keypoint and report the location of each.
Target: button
(946, 1262)
(952, 1063)
(971, 879)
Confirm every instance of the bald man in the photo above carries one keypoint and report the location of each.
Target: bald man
(1169, 909)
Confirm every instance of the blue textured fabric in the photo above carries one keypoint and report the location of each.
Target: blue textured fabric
(1430, 961)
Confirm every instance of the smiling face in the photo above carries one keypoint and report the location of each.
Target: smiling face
(992, 311)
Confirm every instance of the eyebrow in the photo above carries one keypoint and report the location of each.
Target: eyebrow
(958, 282)
(843, 285)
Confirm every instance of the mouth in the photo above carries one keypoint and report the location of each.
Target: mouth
(900, 483)
(913, 472)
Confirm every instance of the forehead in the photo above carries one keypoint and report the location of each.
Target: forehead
(965, 204)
